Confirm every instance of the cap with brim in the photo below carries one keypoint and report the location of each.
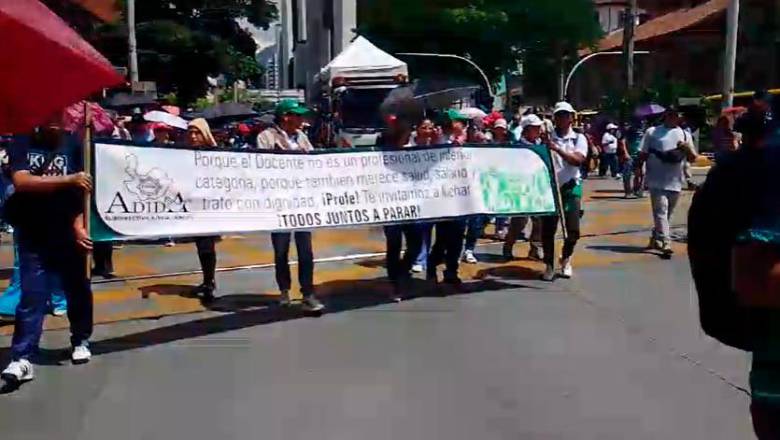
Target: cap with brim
(500, 123)
(612, 127)
(563, 107)
(455, 115)
(531, 121)
(291, 107)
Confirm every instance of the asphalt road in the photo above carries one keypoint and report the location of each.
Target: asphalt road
(615, 353)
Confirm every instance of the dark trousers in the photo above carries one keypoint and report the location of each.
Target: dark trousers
(608, 161)
(207, 255)
(398, 266)
(42, 268)
(281, 243)
(766, 420)
(102, 255)
(550, 228)
(447, 247)
(475, 226)
(518, 225)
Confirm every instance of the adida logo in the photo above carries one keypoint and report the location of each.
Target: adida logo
(152, 190)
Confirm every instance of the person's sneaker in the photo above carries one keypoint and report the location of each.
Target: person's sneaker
(81, 354)
(418, 268)
(667, 250)
(502, 233)
(469, 257)
(18, 371)
(566, 270)
(452, 280)
(654, 244)
(507, 253)
(170, 243)
(59, 312)
(397, 294)
(535, 253)
(207, 292)
(312, 305)
(549, 273)
(284, 298)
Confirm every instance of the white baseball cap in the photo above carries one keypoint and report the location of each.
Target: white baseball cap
(500, 123)
(532, 121)
(612, 126)
(563, 107)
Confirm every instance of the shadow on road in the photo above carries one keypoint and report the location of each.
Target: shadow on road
(620, 249)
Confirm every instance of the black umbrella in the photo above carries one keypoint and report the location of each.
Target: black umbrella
(228, 111)
(402, 103)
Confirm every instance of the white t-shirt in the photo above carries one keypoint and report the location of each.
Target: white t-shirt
(662, 175)
(609, 143)
(571, 142)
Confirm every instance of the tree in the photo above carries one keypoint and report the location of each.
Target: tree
(181, 42)
(495, 34)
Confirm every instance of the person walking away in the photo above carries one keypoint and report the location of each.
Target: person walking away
(629, 153)
(449, 233)
(734, 262)
(609, 149)
(568, 149)
(530, 136)
(286, 135)
(199, 136)
(49, 188)
(664, 149)
(426, 134)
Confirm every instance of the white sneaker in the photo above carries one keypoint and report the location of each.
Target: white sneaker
(81, 354)
(469, 257)
(566, 270)
(18, 371)
(549, 273)
(417, 268)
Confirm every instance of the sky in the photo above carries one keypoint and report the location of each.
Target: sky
(262, 37)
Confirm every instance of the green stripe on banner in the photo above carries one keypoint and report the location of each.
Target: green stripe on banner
(149, 192)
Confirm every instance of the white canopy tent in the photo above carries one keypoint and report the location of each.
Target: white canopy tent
(362, 59)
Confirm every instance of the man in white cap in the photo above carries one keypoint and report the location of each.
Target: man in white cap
(531, 126)
(568, 149)
(609, 149)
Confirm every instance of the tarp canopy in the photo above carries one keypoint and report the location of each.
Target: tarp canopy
(362, 59)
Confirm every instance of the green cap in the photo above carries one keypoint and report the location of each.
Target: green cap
(291, 106)
(455, 115)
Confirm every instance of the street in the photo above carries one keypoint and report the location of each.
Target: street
(615, 353)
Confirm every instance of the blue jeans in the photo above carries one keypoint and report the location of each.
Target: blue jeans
(608, 161)
(10, 299)
(627, 170)
(281, 244)
(475, 226)
(426, 229)
(41, 267)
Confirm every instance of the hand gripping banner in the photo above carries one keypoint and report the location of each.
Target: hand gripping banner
(148, 192)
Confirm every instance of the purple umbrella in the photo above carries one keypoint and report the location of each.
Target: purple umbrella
(646, 110)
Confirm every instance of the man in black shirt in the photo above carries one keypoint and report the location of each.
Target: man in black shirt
(49, 186)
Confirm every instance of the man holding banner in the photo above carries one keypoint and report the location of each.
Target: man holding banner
(286, 135)
(568, 149)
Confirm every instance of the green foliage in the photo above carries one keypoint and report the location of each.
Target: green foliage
(180, 42)
(493, 33)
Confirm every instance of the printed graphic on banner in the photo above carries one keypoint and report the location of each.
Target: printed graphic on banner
(145, 192)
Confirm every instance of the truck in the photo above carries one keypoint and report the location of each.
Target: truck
(352, 88)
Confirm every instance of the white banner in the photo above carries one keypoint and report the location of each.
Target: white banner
(144, 192)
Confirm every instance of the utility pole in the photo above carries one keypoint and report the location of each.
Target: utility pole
(629, 26)
(131, 43)
(730, 58)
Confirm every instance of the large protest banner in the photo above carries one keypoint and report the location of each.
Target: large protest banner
(147, 192)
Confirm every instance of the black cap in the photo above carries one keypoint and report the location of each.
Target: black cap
(762, 95)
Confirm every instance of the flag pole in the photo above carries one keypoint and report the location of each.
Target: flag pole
(87, 160)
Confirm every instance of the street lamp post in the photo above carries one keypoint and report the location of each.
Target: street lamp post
(584, 60)
(444, 55)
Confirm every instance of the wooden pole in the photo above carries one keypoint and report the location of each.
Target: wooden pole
(87, 160)
(558, 197)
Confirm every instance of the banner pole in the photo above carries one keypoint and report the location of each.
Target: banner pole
(558, 197)
(87, 160)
